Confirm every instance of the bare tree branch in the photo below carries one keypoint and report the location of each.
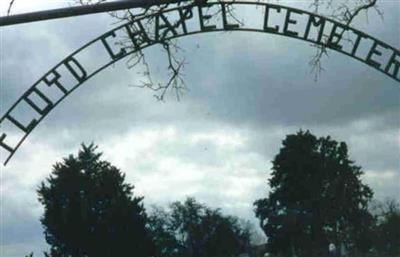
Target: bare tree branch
(10, 6)
(345, 12)
(175, 65)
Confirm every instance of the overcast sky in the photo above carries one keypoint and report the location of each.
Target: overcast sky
(246, 91)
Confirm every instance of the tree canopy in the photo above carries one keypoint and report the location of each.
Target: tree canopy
(89, 210)
(316, 198)
(191, 229)
(386, 231)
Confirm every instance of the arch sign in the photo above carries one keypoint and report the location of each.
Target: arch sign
(75, 69)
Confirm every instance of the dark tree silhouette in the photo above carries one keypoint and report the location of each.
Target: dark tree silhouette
(386, 239)
(190, 229)
(90, 211)
(316, 198)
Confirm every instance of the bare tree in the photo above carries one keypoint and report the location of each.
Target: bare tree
(175, 62)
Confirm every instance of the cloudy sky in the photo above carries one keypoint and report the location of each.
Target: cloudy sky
(246, 91)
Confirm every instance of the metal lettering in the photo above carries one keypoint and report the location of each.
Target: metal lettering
(113, 55)
(55, 80)
(26, 129)
(184, 15)
(204, 19)
(393, 62)
(49, 104)
(80, 77)
(357, 43)
(4, 145)
(225, 19)
(289, 21)
(266, 27)
(166, 26)
(335, 36)
(374, 51)
(137, 36)
(315, 23)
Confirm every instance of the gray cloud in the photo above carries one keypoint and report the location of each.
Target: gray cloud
(246, 92)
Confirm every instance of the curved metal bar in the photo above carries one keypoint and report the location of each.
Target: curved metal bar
(173, 23)
(81, 10)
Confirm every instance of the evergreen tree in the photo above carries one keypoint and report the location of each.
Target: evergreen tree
(89, 210)
(316, 198)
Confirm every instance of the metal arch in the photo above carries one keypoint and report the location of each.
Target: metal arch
(167, 28)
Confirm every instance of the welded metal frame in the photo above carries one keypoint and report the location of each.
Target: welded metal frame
(166, 29)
